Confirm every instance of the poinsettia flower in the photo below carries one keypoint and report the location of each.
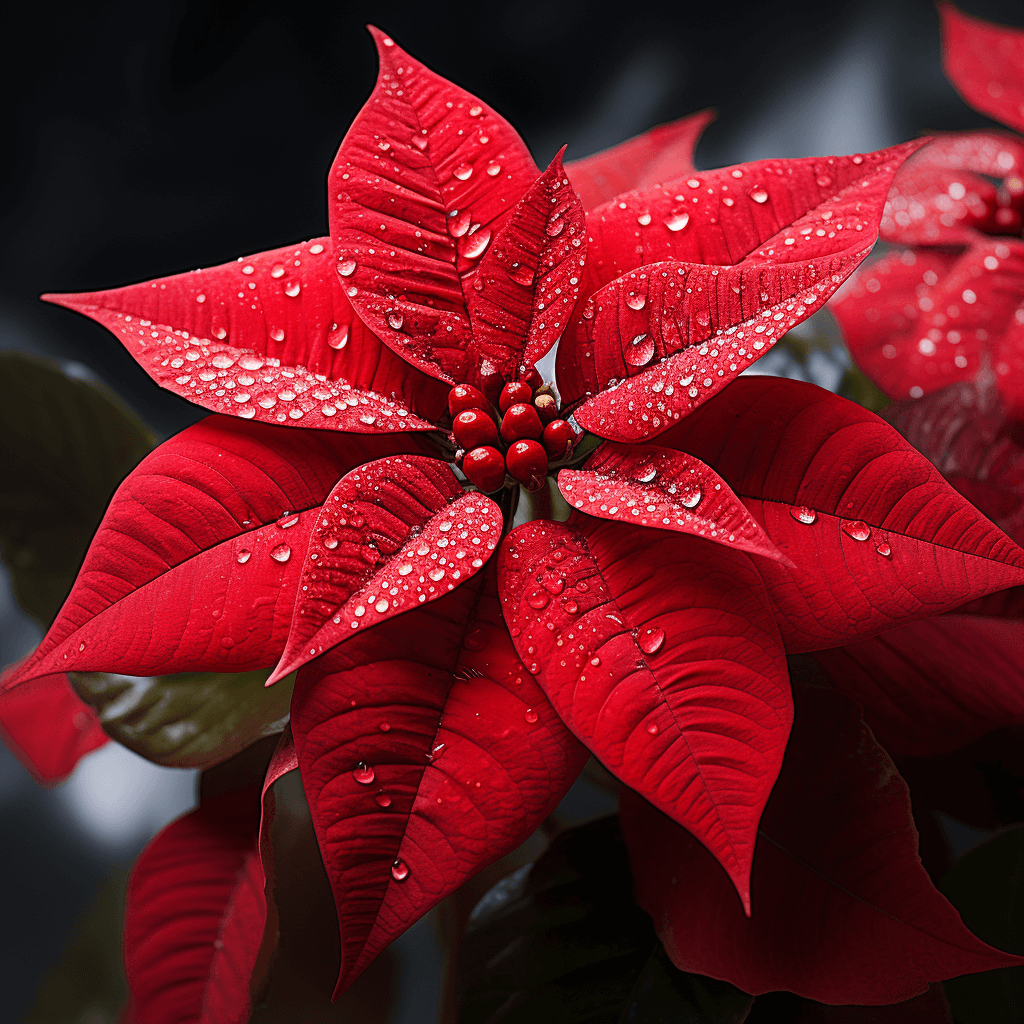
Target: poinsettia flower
(950, 309)
(453, 672)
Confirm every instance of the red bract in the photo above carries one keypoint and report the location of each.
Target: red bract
(846, 912)
(432, 733)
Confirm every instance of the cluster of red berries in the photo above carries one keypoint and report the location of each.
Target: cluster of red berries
(530, 434)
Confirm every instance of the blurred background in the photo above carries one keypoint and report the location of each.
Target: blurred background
(143, 139)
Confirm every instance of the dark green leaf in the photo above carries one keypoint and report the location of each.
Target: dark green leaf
(987, 887)
(65, 445)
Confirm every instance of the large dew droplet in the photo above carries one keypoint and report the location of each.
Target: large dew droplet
(677, 221)
(857, 530)
(640, 351)
(399, 870)
(651, 639)
(363, 773)
(803, 514)
(281, 553)
(538, 599)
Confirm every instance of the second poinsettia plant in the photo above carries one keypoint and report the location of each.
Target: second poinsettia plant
(348, 514)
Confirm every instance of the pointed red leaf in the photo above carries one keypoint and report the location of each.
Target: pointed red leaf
(422, 182)
(984, 62)
(195, 915)
(195, 565)
(427, 752)
(668, 490)
(393, 535)
(276, 327)
(936, 685)
(953, 327)
(997, 154)
(660, 652)
(877, 537)
(529, 276)
(843, 910)
(48, 727)
(661, 154)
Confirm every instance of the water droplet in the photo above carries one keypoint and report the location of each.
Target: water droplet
(493, 169)
(521, 274)
(677, 221)
(555, 226)
(635, 301)
(383, 799)
(436, 574)
(347, 268)
(538, 599)
(571, 607)
(643, 219)
(292, 289)
(651, 639)
(648, 474)
(653, 729)
(363, 774)
(477, 640)
(691, 499)
(640, 350)
(244, 555)
(473, 246)
(463, 172)
(382, 605)
(531, 716)
(884, 550)
(803, 514)
(338, 339)
(395, 321)
(857, 530)
(287, 520)
(759, 195)
(281, 553)
(399, 870)
(384, 727)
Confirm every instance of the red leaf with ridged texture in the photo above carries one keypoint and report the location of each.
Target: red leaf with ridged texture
(668, 490)
(530, 275)
(661, 154)
(876, 536)
(843, 910)
(276, 327)
(953, 326)
(195, 915)
(936, 685)
(661, 653)
(48, 727)
(424, 179)
(393, 535)
(984, 62)
(930, 205)
(427, 751)
(195, 565)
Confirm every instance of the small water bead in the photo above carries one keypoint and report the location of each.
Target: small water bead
(691, 499)
(759, 195)
(463, 172)
(399, 870)
(643, 219)
(405, 570)
(287, 520)
(635, 301)
(338, 338)
(571, 607)
(330, 542)
(292, 289)
(316, 249)
(538, 600)
(347, 268)
(647, 475)
(640, 350)
(472, 246)
(395, 321)
(493, 169)
(383, 799)
(281, 553)
(884, 550)
(382, 605)
(459, 223)
(531, 716)
(244, 555)
(677, 221)
(436, 575)
(857, 530)
(651, 639)
(277, 271)
(653, 729)
(803, 514)
(363, 774)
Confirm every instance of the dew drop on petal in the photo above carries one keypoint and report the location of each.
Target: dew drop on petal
(640, 351)
(677, 221)
(653, 729)
(531, 716)
(244, 555)
(803, 514)
(363, 773)
(691, 498)
(399, 870)
(651, 639)
(347, 268)
(857, 530)
(884, 550)
(281, 553)
(538, 599)
(759, 195)
(383, 799)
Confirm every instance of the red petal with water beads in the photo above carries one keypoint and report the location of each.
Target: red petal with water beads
(48, 727)
(424, 179)
(661, 653)
(271, 338)
(529, 277)
(427, 752)
(997, 154)
(844, 911)
(668, 490)
(984, 62)
(196, 562)
(876, 537)
(662, 154)
(393, 535)
(936, 685)
(195, 915)
(954, 325)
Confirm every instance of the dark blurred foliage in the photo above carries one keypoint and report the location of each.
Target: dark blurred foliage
(142, 139)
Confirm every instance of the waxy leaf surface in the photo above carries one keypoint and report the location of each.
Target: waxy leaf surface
(424, 179)
(48, 728)
(195, 917)
(393, 535)
(197, 559)
(661, 154)
(934, 328)
(270, 337)
(935, 685)
(661, 653)
(877, 538)
(427, 751)
(668, 490)
(844, 911)
(984, 62)
(529, 276)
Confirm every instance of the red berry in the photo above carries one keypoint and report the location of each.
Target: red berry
(473, 428)
(528, 463)
(513, 392)
(521, 421)
(484, 468)
(559, 439)
(546, 406)
(465, 396)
